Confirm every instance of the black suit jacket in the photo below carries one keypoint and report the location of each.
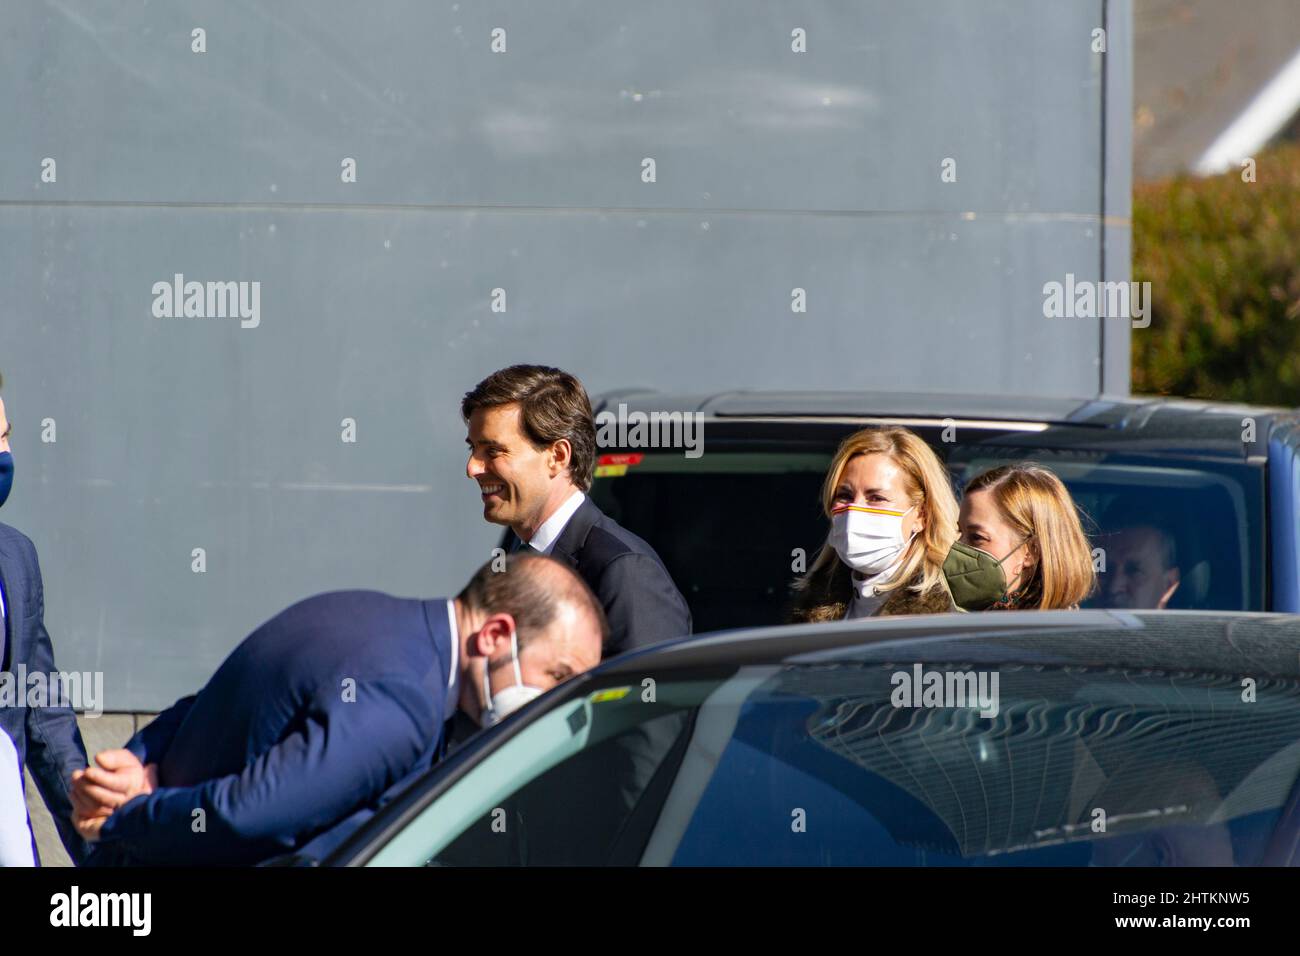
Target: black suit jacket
(47, 738)
(638, 595)
(644, 607)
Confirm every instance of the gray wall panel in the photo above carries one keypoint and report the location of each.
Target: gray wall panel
(585, 91)
(517, 171)
(176, 433)
(1118, 177)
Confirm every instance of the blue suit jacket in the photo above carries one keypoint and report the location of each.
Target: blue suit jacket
(47, 738)
(309, 726)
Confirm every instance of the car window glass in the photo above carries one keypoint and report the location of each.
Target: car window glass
(816, 764)
(734, 529)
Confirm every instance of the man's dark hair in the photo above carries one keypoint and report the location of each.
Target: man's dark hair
(1130, 516)
(530, 588)
(553, 405)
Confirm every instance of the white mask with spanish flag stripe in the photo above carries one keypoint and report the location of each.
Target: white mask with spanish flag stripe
(869, 540)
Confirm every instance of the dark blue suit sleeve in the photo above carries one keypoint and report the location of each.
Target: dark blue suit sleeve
(54, 745)
(642, 603)
(342, 756)
(151, 742)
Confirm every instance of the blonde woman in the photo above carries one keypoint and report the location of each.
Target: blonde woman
(1024, 518)
(893, 520)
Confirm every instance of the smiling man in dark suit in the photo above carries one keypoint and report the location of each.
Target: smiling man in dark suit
(532, 450)
(46, 737)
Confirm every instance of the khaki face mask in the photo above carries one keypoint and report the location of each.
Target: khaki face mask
(975, 577)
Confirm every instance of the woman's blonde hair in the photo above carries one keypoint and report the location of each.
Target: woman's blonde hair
(1038, 506)
(928, 487)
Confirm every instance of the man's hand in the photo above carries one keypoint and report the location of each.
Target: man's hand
(88, 827)
(97, 791)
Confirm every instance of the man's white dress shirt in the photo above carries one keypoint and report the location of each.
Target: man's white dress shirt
(544, 540)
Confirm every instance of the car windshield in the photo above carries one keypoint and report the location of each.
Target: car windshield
(734, 528)
(816, 763)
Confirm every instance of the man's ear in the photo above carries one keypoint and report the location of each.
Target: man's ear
(561, 455)
(494, 634)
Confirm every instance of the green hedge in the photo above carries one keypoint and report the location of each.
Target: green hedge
(1223, 260)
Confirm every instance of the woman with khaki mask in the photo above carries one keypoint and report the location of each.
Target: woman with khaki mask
(1023, 518)
(893, 521)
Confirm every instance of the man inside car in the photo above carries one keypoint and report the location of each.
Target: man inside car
(1141, 567)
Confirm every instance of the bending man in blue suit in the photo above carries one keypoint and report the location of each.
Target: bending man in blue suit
(327, 711)
(45, 738)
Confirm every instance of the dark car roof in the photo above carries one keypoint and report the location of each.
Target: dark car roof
(1156, 424)
(1235, 643)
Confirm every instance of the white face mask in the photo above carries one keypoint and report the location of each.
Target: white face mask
(868, 540)
(506, 701)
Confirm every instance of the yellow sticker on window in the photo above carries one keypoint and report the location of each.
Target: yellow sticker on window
(609, 693)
